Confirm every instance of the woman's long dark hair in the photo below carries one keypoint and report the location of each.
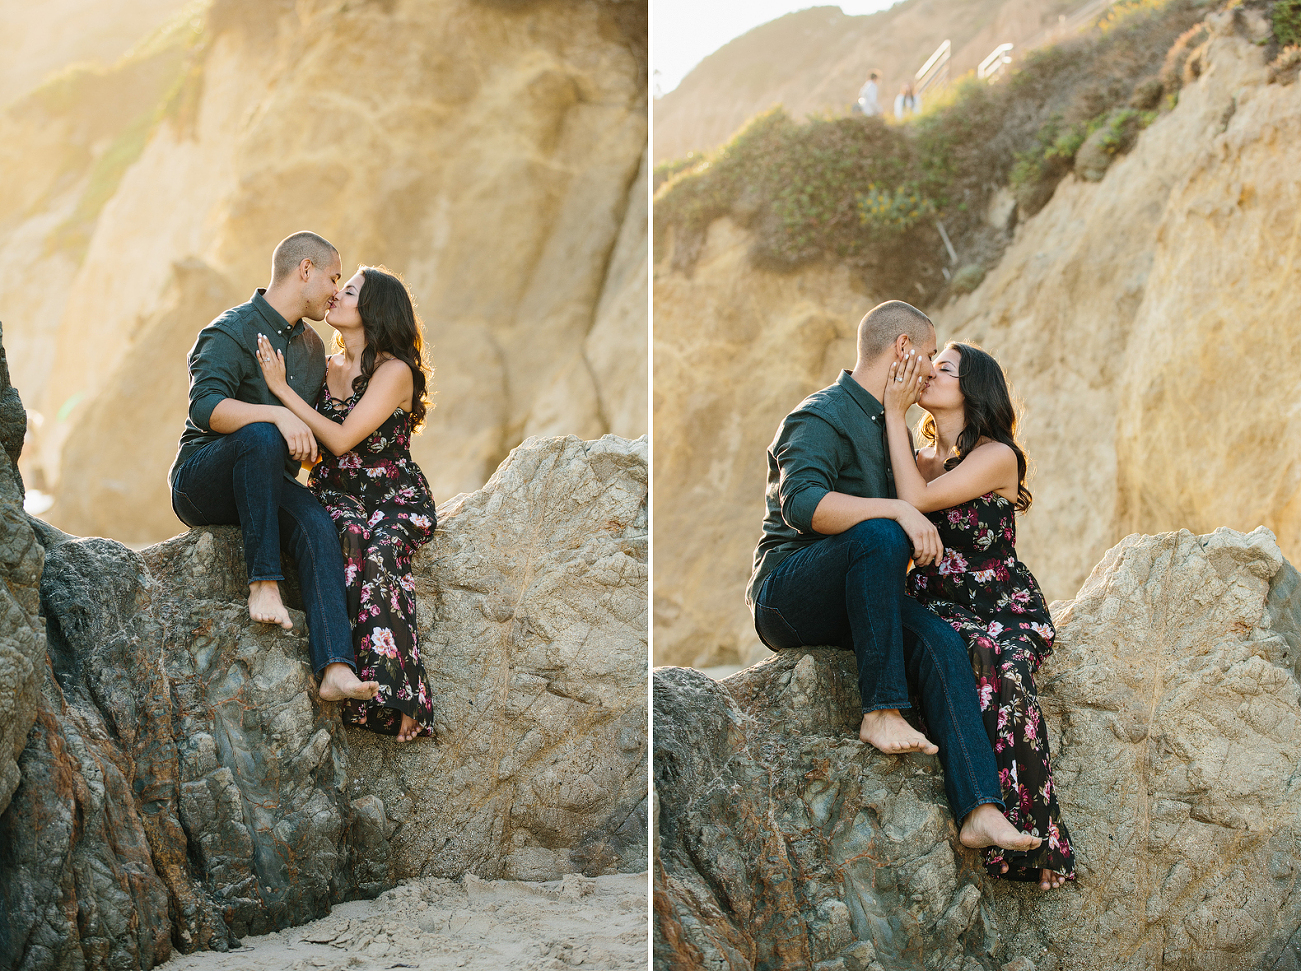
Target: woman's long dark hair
(989, 413)
(392, 326)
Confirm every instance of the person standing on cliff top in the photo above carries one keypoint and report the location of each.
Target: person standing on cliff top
(241, 450)
(830, 569)
(868, 102)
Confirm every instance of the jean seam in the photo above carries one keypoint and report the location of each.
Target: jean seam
(948, 702)
(320, 605)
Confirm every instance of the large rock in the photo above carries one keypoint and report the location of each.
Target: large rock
(488, 151)
(184, 786)
(1172, 708)
(22, 632)
(1130, 314)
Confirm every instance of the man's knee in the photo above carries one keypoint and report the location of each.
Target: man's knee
(262, 437)
(880, 537)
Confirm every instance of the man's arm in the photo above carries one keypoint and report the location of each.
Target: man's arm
(837, 512)
(807, 460)
(215, 377)
(231, 414)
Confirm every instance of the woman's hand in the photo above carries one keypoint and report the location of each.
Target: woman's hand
(903, 385)
(273, 367)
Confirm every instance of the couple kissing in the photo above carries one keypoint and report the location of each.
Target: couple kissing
(849, 504)
(264, 401)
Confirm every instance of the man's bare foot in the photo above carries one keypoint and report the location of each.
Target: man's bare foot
(409, 730)
(1048, 880)
(265, 605)
(338, 681)
(986, 826)
(886, 730)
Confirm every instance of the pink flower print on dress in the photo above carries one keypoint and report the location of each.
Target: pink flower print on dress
(953, 563)
(986, 691)
(375, 517)
(349, 460)
(994, 628)
(421, 522)
(382, 642)
(376, 472)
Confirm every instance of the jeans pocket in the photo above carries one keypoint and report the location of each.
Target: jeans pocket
(773, 629)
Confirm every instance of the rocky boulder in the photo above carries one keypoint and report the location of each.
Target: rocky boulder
(1172, 706)
(184, 786)
(22, 632)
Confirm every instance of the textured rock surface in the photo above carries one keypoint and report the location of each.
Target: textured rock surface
(1172, 705)
(183, 786)
(489, 151)
(1132, 316)
(22, 633)
(533, 608)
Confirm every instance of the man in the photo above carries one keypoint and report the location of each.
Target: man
(241, 451)
(867, 103)
(830, 566)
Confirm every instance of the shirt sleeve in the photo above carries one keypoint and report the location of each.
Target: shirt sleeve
(808, 463)
(215, 374)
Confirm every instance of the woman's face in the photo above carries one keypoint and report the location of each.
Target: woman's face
(942, 392)
(343, 311)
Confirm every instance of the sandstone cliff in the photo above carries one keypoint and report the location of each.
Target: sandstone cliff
(1172, 707)
(491, 152)
(1132, 314)
(816, 60)
(182, 785)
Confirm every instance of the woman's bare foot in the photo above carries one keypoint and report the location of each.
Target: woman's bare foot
(986, 826)
(885, 729)
(265, 605)
(409, 730)
(338, 681)
(1048, 880)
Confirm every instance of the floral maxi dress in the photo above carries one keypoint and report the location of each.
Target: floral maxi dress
(991, 599)
(380, 502)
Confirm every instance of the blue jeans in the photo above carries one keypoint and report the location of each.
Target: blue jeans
(240, 481)
(848, 591)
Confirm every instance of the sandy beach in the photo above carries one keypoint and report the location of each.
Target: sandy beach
(598, 923)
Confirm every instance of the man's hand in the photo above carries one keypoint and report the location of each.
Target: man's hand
(927, 548)
(302, 443)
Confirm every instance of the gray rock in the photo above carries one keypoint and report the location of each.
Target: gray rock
(22, 632)
(1173, 712)
(184, 786)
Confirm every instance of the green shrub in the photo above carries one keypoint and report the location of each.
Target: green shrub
(1287, 22)
(967, 278)
(893, 211)
(862, 192)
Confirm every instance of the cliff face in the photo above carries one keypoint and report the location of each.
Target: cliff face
(1132, 315)
(492, 153)
(816, 60)
(1171, 705)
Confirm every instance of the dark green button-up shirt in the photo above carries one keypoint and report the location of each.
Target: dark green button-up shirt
(223, 364)
(833, 442)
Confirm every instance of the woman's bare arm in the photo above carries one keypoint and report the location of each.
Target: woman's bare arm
(390, 386)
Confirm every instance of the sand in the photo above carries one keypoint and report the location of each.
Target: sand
(598, 923)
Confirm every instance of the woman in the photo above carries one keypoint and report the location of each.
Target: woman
(373, 399)
(969, 477)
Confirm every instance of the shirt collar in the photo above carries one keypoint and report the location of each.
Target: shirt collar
(862, 397)
(272, 316)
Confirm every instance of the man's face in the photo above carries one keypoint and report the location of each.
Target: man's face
(321, 287)
(926, 349)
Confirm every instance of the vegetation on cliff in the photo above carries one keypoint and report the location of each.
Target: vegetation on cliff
(873, 194)
(108, 115)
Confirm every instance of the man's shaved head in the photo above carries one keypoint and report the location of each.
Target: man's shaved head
(298, 247)
(885, 322)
